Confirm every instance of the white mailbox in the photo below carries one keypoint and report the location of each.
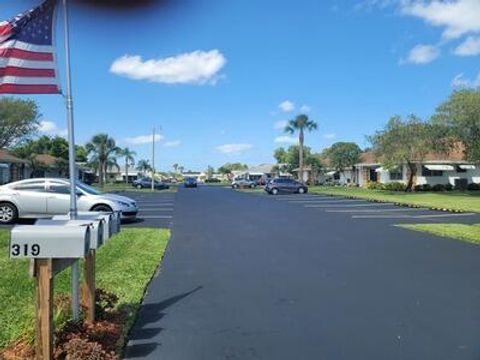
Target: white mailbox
(112, 218)
(92, 216)
(49, 242)
(96, 228)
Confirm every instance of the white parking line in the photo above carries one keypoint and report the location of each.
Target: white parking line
(157, 209)
(347, 205)
(324, 201)
(375, 210)
(155, 217)
(410, 216)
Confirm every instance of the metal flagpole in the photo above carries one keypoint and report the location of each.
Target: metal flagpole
(75, 278)
(153, 160)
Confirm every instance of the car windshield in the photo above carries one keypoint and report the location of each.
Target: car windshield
(88, 189)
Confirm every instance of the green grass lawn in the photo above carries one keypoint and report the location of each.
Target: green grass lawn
(129, 187)
(469, 233)
(454, 200)
(124, 266)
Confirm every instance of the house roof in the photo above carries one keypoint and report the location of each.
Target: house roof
(262, 168)
(456, 155)
(7, 156)
(46, 159)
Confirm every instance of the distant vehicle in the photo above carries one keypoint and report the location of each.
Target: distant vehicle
(239, 183)
(212, 180)
(40, 198)
(146, 183)
(190, 182)
(285, 185)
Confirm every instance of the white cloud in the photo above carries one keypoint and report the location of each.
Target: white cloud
(143, 139)
(329, 136)
(197, 67)
(305, 109)
(173, 143)
(422, 54)
(286, 140)
(470, 47)
(456, 17)
(50, 128)
(287, 106)
(460, 81)
(280, 125)
(234, 149)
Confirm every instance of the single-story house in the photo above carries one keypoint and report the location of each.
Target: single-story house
(434, 169)
(12, 168)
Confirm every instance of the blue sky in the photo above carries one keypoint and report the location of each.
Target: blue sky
(220, 76)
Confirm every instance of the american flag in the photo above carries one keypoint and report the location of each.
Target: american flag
(27, 54)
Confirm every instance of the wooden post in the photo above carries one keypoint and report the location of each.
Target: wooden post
(44, 303)
(88, 288)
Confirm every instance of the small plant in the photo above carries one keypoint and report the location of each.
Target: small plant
(473, 187)
(395, 186)
(104, 302)
(375, 186)
(438, 187)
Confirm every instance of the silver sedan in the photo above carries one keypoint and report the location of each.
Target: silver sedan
(45, 197)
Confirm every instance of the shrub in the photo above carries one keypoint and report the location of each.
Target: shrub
(375, 186)
(438, 187)
(473, 186)
(395, 186)
(449, 187)
(424, 187)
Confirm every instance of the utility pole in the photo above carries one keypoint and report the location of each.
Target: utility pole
(153, 160)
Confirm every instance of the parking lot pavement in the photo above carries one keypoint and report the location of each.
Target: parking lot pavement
(249, 277)
(155, 209)
(366, 210)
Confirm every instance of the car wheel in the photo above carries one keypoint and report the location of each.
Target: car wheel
(274, 191)
(235, 186)
(8, 213)
(252, 186)
(104, 208)
(301, 190)
(139, 186)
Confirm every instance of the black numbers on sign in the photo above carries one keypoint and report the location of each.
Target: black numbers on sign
(28, 250)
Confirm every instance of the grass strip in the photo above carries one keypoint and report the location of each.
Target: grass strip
(464, 232)
(125, 265)
(452, 201)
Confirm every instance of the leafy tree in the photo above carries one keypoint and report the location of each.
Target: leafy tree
(81, 154)
(288, 160)
(143, 166)
(301, 124)
(129, 156)
(103, 151)
(18, 120)
(229, 167)
(459, 116)
(210, 172)
(403, 141)
(343, 155)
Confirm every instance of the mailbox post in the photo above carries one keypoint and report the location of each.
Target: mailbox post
(51, 247)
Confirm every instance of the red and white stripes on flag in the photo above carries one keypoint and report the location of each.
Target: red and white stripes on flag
(27, 60)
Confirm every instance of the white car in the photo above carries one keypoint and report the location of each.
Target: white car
(45, 197)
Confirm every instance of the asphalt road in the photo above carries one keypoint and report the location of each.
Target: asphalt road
(249, 276)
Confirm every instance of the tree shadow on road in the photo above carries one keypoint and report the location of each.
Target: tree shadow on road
(137, 346)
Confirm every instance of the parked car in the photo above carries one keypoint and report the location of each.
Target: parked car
(212, 181)
(146, 183)
(43, 198)
(190, 182)
(285, 185)
(239, 183)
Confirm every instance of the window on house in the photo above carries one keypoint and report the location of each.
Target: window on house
(427, 172)
(396, 174)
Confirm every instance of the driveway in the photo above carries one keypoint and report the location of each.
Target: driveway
(248, 276)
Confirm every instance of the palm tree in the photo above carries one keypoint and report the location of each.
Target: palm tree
(175, 167)
(104, 151)
(129, 160)
(301, 124)
(180, 169)
(143, 166)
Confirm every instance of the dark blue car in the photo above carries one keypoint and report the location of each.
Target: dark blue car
(190, 182)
